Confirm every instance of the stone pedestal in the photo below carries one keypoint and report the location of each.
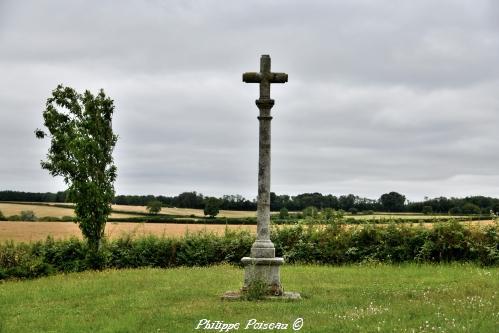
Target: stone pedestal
(265, 270)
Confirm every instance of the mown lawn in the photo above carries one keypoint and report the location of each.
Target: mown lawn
(409, 298)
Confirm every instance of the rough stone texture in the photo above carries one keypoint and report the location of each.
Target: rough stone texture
(263, 247)
(265, 270)
(263, 265)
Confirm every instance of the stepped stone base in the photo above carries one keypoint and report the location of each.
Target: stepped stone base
(266, 271)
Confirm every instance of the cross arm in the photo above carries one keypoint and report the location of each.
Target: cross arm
(252, 77)
(278, 78)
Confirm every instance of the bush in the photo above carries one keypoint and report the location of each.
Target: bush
(48, 219)
(310, 211)
(283, 213)
(18, 261)
(65, 256)
(27, 215)
(2, 217)
(318, 244)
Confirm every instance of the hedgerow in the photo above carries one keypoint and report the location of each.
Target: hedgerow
(331, 244)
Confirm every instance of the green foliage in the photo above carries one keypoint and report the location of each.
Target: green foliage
(82, 142)
(256, 290)
(327, 213)
(154, 207)
(330, 216)
(211, 207)
(353, 211)
(469, 208)
(346, 202)
(2, 217)
(310, 211)
(331, 244)
(283, 213)
(20, 261)
(65, 256)
(392, 202)
(28, 215)
(49, 219)
(427, 210)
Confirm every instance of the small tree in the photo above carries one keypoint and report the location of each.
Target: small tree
(2, 217)
(211, 207)
(283, 213)
(154, 207)
(82, 142)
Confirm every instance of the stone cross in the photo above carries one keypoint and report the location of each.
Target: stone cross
(263, 247)
(262, 265)
(265, 77)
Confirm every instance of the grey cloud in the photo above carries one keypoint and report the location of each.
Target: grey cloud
(381, 95)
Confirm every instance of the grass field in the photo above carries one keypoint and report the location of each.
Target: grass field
(411, 298)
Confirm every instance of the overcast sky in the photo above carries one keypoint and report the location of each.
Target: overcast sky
(382, 95)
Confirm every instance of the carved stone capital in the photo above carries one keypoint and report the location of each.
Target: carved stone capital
(264, 103)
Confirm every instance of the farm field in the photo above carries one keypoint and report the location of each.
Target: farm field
(34, 231)
(44, 210)
(185, 211)
(9, 209)
(381, 298)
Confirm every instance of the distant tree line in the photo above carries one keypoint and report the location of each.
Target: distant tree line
(33, 197)
(468, 205)
(388, 202)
